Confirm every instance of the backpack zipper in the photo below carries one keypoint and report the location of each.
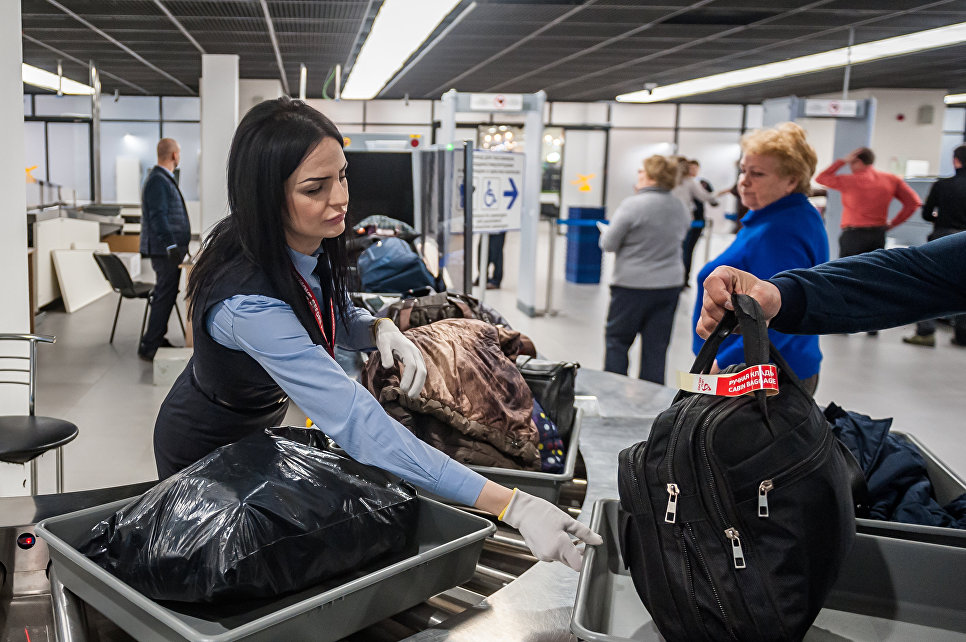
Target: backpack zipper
(730, 531)
(763, 489)
(670, 513)
(692, 592)
(801, 469)
(707, 574)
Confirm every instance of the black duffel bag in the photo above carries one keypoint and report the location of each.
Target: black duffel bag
(267, 515)
(552, 384)
(739, 509)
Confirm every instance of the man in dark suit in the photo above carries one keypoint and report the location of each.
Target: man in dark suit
(165, 233)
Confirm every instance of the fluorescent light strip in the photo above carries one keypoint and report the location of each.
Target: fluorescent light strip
(875, 50)
(954, 99)
(400, 27)
(40, 78)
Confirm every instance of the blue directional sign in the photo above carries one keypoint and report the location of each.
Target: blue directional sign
(512, 193)
(497, 191)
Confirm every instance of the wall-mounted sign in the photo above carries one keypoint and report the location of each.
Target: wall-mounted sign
(819, 108)
(496, 102)
(497, 191)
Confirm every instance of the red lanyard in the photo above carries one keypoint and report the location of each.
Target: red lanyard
(317, 311)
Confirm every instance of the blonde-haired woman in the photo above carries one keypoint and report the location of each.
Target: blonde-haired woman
(645, 232)
(780, 232)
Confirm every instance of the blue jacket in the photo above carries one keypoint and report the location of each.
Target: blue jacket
(786, 234)
(164, 216)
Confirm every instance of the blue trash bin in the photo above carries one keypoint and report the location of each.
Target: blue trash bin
(583, 252)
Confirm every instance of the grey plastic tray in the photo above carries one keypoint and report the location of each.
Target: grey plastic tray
(892, 579)
(444, 554)
(947, 486)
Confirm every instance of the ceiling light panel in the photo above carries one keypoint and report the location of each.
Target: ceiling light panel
(396, 33)
(865, 52)
(40, 78)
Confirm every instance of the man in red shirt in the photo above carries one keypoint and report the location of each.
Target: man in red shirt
(866, 194)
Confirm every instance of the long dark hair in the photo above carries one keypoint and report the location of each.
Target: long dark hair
(270, 143)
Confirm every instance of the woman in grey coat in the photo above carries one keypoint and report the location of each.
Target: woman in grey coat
(646, 233)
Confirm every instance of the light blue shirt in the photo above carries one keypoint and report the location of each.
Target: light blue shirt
(268, 331)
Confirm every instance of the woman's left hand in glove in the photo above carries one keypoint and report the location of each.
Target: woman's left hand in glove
(390, 341)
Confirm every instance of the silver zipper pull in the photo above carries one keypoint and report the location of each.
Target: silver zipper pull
(672, 503)
(736, 552)
(763, 489)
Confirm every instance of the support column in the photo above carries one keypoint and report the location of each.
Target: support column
(530, 215)
(14, 312)
(219, 117)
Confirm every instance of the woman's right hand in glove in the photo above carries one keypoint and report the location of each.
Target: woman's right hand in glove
(545, 528)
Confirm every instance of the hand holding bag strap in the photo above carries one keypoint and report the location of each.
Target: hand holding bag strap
(748, 315)
(405, 313)
(705, 359)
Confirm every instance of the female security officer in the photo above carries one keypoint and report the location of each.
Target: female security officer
(269, 302)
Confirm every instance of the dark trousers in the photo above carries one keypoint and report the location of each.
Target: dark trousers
(858, 240)
(928, 327)
(649, 313)
(494, 257)
(165, 293)
(690, 240)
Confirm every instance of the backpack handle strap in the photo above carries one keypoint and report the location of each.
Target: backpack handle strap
(758, 348)
(748, 315)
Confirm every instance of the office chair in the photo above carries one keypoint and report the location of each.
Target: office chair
(120, 279)
(23, 438)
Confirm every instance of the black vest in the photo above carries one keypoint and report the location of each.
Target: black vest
(228, 376)
(223, 395)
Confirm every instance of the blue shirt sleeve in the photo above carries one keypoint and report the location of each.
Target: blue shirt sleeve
(356, 332)
(267, 330)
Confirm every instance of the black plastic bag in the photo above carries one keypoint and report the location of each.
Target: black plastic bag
(267, 515)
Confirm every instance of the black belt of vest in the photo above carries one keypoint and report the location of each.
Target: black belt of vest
(273, 405)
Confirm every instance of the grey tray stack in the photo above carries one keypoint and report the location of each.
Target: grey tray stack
(444, 554)
(895, 581)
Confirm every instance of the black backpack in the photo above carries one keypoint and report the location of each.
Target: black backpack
(738, 510)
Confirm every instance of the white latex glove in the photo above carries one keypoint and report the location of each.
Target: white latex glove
(545, 529)
(389, 341)
(601, 225)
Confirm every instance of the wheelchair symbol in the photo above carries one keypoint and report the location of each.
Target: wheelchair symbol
(489, 196)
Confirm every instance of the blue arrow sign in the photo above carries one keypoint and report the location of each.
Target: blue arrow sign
(512, 193)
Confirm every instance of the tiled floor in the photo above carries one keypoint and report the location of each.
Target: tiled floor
(108, 392)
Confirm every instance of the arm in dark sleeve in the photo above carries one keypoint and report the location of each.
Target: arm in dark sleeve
(154, 205)
(877, 290)
(929, 209)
